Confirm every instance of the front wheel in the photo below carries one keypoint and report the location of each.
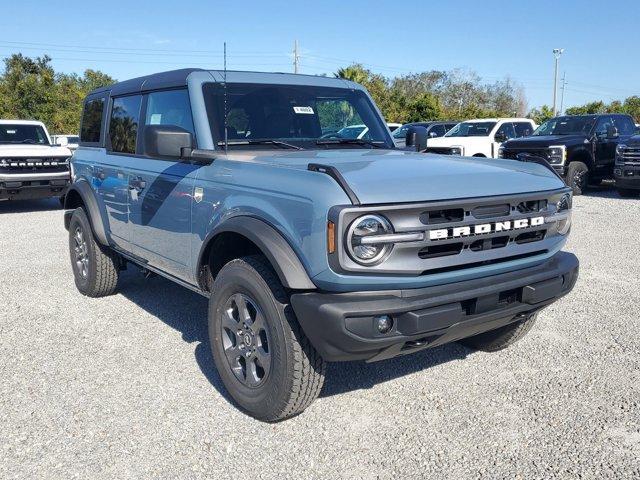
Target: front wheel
(500, 338)
(578, 177)
(264, 359)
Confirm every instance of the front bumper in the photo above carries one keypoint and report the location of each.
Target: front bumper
(28, 186)
(341, 325)
(627, 176)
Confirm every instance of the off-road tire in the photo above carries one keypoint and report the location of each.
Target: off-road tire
(578, 177)
(628, 193)
(103, 264)
(297, 371)
(500, 338)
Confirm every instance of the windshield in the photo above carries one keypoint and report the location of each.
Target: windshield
(401, 132)
(19, 133)
(269, 116)
(566, 126)
(471, 129)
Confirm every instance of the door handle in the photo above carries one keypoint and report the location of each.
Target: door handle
(137, 183)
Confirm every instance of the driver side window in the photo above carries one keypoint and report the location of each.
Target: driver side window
(603, 124)
(506, 129)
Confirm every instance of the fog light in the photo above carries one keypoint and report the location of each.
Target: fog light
(384, 323)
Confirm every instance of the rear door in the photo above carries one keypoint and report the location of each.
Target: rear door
(111, 176)
(162, 190)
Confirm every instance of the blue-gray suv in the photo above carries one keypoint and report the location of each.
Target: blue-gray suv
(311, 246)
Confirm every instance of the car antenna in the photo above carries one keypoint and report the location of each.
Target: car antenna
(226, 134)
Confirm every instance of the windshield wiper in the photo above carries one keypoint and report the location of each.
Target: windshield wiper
(347, 141)
(260, 142)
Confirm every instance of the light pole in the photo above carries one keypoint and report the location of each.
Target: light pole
(556, 53)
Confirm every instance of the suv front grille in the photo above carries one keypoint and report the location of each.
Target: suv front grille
(631, 155)
(34, 165)
(461, 234)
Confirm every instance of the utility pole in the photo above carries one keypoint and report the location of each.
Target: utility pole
(296, 57)
(564, 82)
(556, 53)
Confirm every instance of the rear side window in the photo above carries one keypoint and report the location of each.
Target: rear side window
(123, 127)
(92, 121)
(523, 129)
(171, 107)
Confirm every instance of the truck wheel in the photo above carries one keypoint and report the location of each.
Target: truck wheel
(628, 193)
(500, 338)
(95, 268)
(264, 359)
(578, 177)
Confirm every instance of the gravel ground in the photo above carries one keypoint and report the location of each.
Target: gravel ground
(125, 387)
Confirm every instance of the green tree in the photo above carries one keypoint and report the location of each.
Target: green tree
(30, 89)
(541, 115)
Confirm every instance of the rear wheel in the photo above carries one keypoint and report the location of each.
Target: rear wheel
(95, 268)
(266, 362)
(578, 177)
(500, 338)
(628, 193)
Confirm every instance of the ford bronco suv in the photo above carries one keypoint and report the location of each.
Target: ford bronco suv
(582, 148)
(310, 248)
(30, 166)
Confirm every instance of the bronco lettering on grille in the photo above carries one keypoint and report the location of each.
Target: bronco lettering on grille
(484, 228)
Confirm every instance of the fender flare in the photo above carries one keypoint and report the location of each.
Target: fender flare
(88, 196)
(282, 257)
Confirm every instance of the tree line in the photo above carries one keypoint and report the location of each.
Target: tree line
(31, 89)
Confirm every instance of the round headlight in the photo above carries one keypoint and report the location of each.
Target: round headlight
(368, 253)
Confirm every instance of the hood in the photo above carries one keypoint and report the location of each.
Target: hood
(545, 141)
(634, 141)
(396, 176)
(33, 151)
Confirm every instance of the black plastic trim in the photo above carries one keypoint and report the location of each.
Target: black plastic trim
(472, 306)
(87, 194)
(282, 257)
(334, 173)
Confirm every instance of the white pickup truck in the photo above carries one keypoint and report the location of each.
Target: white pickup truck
(481, 137)
(30, 165)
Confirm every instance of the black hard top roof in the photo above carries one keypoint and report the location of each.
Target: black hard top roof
(178, 78)
(173, 78)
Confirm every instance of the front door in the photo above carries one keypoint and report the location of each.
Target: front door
(161, 191)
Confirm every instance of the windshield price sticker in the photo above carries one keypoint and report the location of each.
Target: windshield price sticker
(303, 110)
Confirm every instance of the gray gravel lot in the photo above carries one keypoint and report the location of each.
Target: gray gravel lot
(124, 387)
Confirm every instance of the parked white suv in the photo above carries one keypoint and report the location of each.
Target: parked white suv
(481, 137)
(30, 166)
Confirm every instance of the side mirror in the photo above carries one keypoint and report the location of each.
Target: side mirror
(62, 141)
(432, 134)
(417, 138)
(167, 141)
(500, 137)
(612, 132)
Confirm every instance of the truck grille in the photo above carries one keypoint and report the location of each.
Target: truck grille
(631, 155)
(462, 234)
(512, 153)
(34, 165)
